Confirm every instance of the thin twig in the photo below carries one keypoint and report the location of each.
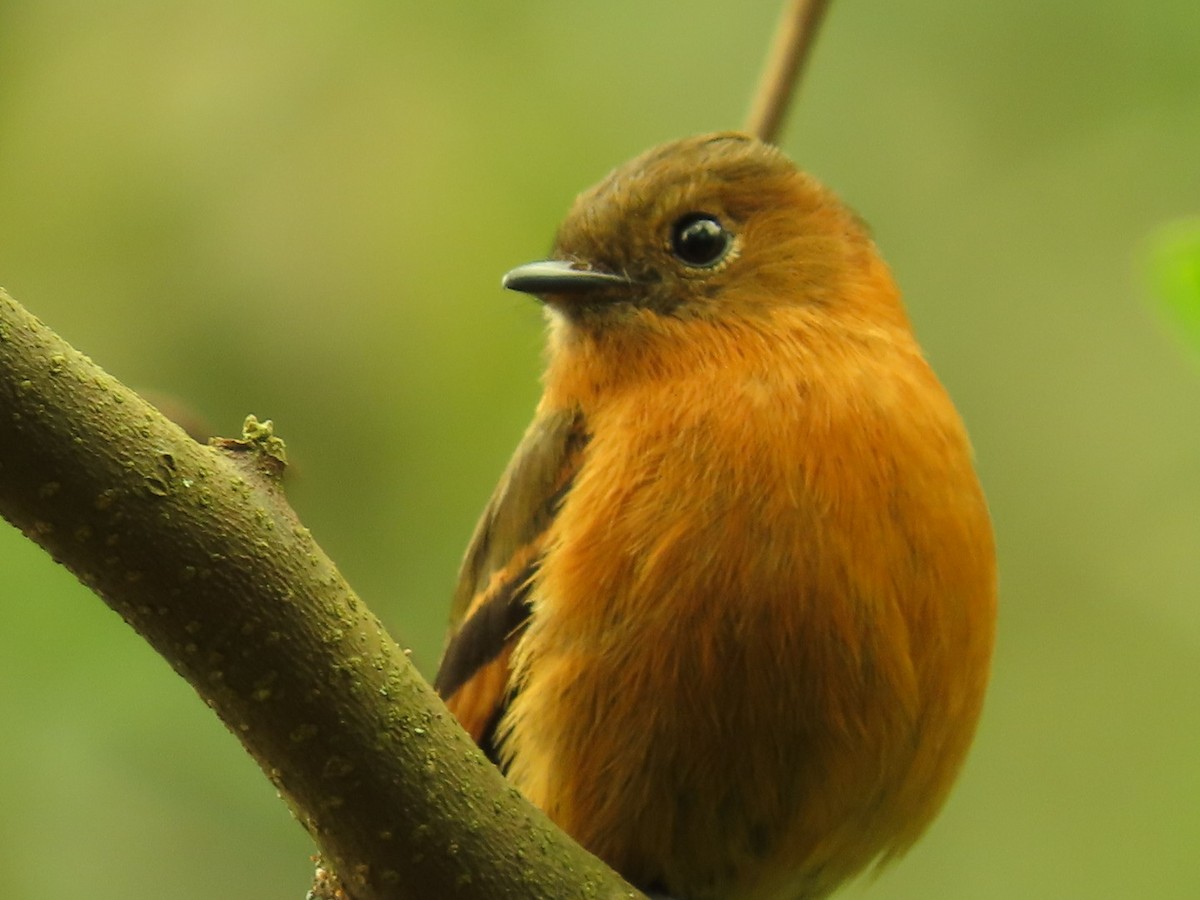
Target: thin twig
(794, 38)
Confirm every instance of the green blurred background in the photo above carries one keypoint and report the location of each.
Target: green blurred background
(302, 210)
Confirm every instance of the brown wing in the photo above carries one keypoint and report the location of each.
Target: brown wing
(491, 604)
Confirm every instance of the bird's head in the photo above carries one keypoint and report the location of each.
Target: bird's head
(715, 227)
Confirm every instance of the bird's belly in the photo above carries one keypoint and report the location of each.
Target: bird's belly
(681, 740)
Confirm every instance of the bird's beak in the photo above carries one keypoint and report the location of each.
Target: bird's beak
(557, 276)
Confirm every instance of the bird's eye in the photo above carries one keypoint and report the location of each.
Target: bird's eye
(700, 240)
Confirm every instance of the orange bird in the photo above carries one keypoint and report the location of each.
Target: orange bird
(729, 614)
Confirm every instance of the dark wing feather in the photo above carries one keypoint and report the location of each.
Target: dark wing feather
(491, 604)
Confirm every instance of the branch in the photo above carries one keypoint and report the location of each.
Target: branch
(794, 38)
(197, 549)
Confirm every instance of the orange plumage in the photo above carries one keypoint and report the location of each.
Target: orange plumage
(728, 617)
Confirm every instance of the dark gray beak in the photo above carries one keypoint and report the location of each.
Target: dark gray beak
(556, 276)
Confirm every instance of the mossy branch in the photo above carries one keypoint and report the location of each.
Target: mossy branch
(197, 549)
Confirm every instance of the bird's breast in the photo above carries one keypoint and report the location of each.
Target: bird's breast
(723, 623)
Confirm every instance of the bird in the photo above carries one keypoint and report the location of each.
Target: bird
(728, 616)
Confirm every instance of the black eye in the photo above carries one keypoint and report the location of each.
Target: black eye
(700, 240)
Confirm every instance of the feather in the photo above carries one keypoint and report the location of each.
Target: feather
(491, 604)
